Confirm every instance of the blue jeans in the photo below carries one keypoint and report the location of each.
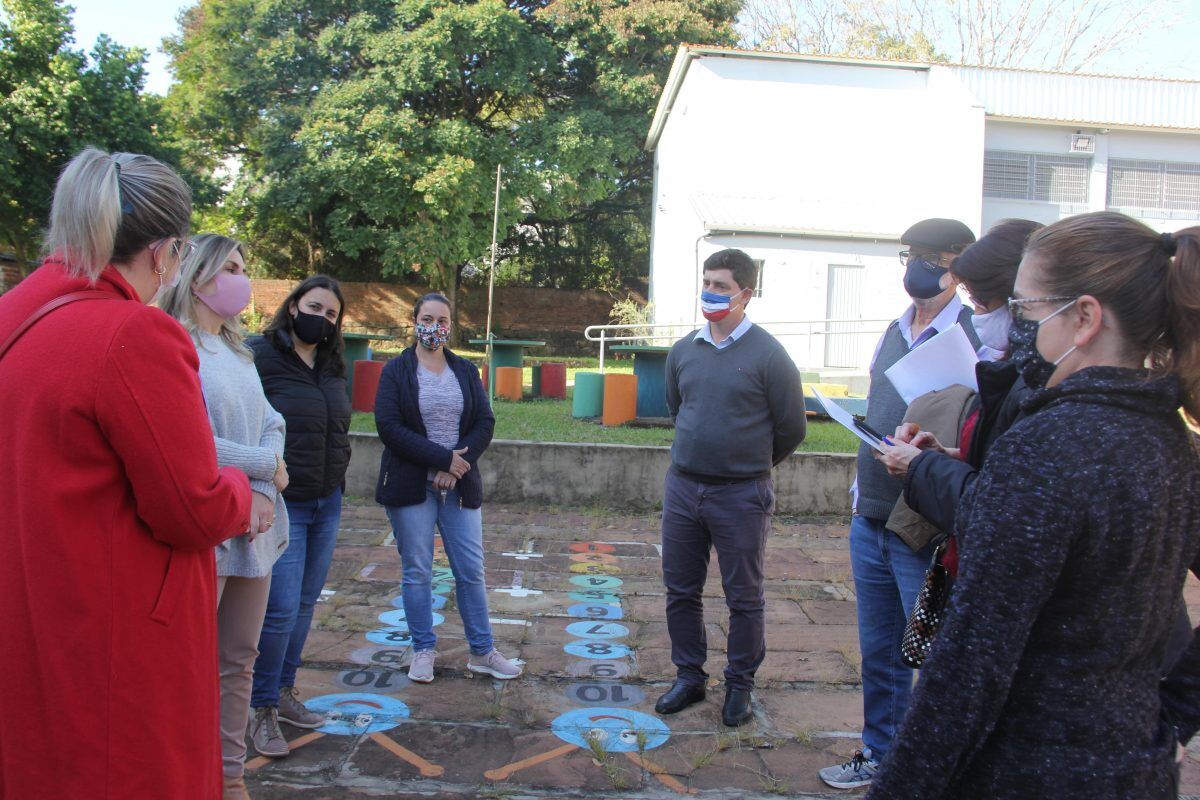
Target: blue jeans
(462, 538)
(296, 582)
(887, 577)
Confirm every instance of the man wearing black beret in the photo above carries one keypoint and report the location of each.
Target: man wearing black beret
(887, 574)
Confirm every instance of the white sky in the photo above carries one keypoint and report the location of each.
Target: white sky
(1168, 51)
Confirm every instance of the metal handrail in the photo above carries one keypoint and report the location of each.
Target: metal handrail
(589, 333)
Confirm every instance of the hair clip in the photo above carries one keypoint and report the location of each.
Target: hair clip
(126, 206)
(1169, 244)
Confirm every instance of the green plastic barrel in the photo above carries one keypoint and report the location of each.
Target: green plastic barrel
(589, 395)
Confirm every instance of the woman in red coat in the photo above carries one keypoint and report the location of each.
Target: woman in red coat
(112, 504)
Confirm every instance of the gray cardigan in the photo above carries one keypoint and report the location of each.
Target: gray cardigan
(248, 434)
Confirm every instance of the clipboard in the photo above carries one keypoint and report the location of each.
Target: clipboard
(855, 425)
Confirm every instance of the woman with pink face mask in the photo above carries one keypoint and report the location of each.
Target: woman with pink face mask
(212, 292)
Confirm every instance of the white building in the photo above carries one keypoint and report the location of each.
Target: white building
(816, 165)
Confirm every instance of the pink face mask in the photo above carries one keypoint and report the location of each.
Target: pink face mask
(230, 295)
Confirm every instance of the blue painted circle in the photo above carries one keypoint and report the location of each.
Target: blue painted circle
(615, 730)
(595, 629)
(356, 713)
(443, 588)
(597, 581)
(595, 611)
(396, 636)
(442, 574)
(439, 601)
(596, 596)
(596, 648)
(397, 617)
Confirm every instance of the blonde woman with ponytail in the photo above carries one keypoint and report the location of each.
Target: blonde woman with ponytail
(1046, 678)
(113, 503)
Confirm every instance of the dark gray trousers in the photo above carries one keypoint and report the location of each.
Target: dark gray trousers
(735, 519)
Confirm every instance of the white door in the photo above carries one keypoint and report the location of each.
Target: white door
(847, 283)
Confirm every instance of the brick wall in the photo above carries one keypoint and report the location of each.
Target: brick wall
(555, 316)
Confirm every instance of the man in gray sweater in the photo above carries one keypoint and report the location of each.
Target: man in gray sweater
(887, 574)
(738, 407)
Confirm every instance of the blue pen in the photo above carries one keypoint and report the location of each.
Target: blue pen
(888, 442)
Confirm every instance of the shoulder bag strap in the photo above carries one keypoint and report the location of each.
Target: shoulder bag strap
(57, 302)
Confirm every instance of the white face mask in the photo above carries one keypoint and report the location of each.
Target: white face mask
(992, 328)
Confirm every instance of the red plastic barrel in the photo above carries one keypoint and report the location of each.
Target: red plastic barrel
(366, 384)
(554, 380)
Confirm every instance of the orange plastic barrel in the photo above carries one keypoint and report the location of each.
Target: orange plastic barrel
(554, 380)
(508, 383)
(366, 384)
(620, 398)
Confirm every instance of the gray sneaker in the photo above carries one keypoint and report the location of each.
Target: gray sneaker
(293, 712)
(494, 664)
(421, 668)
(265, 734)
(858, 771)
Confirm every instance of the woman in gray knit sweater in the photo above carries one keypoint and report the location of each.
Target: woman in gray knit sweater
(213, 290)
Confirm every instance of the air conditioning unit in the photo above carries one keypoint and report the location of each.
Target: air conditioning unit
(1083, 143)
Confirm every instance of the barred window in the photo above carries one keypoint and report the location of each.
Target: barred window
(1154, 188)
(1036, 176)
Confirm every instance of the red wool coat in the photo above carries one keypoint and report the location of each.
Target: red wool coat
(110, 505)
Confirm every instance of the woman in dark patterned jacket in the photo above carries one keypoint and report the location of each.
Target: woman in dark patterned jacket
(1046, 679)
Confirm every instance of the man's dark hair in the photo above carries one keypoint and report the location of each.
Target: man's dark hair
(745, 273)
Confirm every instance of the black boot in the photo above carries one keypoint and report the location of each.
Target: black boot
(678, 697)
(736, 710)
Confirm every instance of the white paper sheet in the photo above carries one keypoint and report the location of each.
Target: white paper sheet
(945, 360)
(846, 419)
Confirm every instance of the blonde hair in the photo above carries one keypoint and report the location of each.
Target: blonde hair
(1150, 281)
(210, 255)
(107, 208)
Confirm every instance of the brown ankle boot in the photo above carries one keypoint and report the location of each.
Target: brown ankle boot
(235, 789)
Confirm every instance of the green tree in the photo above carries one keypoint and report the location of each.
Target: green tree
(54, 100)
(366, 135)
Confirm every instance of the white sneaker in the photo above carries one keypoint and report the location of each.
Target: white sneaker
(421, 668)
(494, 664)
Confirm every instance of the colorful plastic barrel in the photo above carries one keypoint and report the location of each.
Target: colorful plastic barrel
(366, 384)
(620, 398)
(589, 395)
(554, 380)
(508, 383)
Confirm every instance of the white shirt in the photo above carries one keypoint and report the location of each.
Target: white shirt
(943, 321)
(705, 333)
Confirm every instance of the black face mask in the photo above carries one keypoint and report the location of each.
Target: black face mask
(1024, 354)
(923, 279)
(312, 328)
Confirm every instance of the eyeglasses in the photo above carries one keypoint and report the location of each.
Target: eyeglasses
(180, 248)
(1015, 304)
(935, 259)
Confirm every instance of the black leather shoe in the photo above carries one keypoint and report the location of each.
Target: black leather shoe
(736, 710)
(678, 697)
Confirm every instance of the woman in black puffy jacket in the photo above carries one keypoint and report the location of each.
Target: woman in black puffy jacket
(299, 358)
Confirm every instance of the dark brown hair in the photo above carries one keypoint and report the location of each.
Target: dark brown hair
(1150, 281)
(431, 296)
(989, 266)
(745, 274)
(332, 349)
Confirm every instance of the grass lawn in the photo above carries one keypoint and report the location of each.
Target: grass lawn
(551, 421)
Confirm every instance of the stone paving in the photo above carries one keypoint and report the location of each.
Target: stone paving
(576, 594)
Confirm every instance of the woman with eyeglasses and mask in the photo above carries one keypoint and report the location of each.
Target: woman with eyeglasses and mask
(212, 291)
(113, 503)
(435, 421)
(1046, 677)
(299, 359)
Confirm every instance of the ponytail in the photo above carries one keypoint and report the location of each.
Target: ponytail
(110, 207)
(1183, 315)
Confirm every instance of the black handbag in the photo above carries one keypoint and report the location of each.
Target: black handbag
(927, 613)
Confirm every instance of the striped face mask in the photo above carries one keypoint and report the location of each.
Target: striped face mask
(716, 307)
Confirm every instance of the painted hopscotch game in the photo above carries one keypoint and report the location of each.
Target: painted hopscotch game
(577, 596)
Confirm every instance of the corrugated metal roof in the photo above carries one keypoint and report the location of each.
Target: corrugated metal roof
(1084, 99)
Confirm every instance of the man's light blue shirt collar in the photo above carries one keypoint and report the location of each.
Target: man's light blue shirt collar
(705, 333)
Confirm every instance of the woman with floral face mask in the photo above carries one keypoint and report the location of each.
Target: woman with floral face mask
(213, 290)
(435, 421)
